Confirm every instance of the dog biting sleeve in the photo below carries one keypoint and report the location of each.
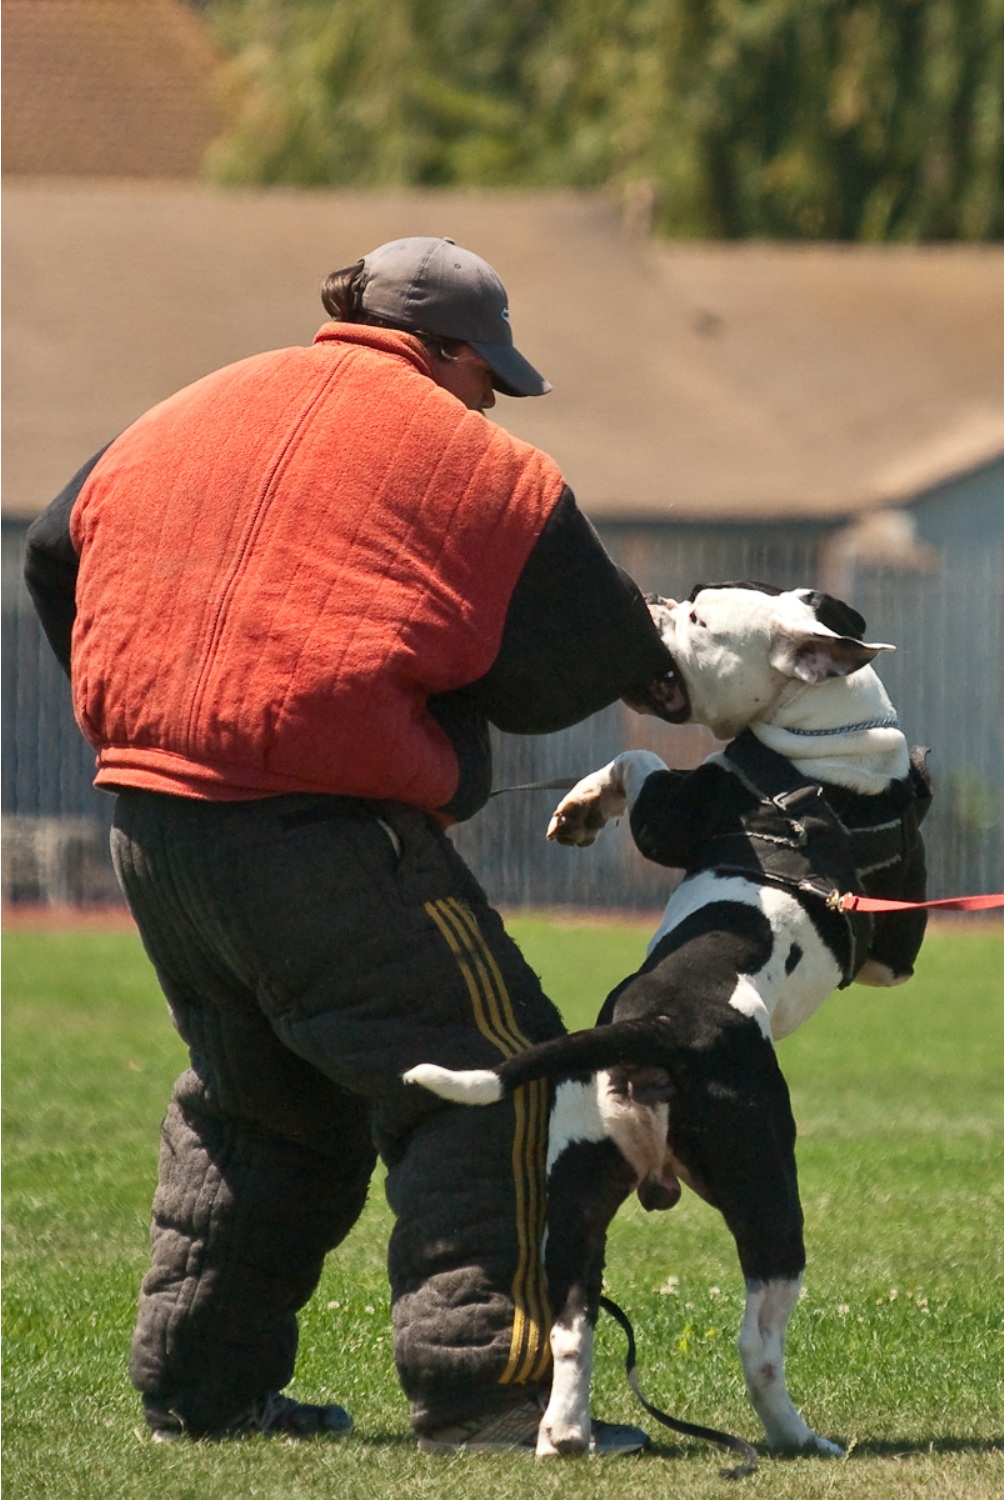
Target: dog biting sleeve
(577, 635)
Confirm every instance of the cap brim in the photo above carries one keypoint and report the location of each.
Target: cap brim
(514, 375)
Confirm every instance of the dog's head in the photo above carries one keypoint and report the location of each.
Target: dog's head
(738, 647)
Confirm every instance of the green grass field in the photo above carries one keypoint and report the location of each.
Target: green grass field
(896, 1349)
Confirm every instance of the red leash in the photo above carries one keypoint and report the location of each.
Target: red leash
(849, 902)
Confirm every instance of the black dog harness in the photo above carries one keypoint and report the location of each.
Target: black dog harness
(809, 838)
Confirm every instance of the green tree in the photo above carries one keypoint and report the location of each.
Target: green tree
(819, 119)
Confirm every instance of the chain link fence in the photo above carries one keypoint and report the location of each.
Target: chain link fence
(945, 679)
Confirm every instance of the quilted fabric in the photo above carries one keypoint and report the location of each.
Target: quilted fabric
(308, 961)
(303, 593)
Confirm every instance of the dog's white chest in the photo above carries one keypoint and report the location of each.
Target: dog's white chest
(800, 970)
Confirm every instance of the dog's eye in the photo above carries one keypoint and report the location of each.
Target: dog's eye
(694, 620)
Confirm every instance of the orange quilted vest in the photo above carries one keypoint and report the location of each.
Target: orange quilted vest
(279, 564)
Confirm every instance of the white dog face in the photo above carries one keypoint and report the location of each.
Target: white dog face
(739, 649)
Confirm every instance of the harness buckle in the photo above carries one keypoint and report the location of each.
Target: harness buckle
(792, 805)
(830, 895)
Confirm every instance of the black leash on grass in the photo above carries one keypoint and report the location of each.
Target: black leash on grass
(689, 1429)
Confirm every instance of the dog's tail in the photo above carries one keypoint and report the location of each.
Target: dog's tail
(578, 1054)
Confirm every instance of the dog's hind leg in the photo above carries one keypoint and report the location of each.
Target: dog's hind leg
(769, 1305)
(738, 1145)
(588, 1180)
(766, 1220)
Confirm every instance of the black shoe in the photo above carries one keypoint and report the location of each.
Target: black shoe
(274, 1415)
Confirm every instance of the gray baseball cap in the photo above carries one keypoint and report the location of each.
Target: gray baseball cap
(433, 286)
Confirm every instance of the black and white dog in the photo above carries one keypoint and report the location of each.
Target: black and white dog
(816, 795)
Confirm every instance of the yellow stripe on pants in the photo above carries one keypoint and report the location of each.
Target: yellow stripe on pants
(529, 1351)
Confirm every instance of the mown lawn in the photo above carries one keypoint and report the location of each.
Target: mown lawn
(897, 1348)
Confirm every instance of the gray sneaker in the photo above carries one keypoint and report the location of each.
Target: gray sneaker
(274, 1415)
(616, 1439)
(515, 1431)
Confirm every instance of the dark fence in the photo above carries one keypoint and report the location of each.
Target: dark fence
(945, 680)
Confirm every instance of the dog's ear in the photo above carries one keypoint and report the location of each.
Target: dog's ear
(834, 613)
(813, 656)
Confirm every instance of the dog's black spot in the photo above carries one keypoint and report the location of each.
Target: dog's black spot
(794, 958)
(736, 583)
(835, 614)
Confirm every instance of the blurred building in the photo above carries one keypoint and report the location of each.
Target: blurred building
(802, 414)
(106, 88)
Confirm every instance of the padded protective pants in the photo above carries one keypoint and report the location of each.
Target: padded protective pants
(311, 949)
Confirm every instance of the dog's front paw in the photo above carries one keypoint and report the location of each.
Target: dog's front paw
(581, 816)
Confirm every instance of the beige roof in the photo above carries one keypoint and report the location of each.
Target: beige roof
(114, 87)
(692, 381)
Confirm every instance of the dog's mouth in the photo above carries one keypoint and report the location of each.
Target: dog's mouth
(666, 697)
